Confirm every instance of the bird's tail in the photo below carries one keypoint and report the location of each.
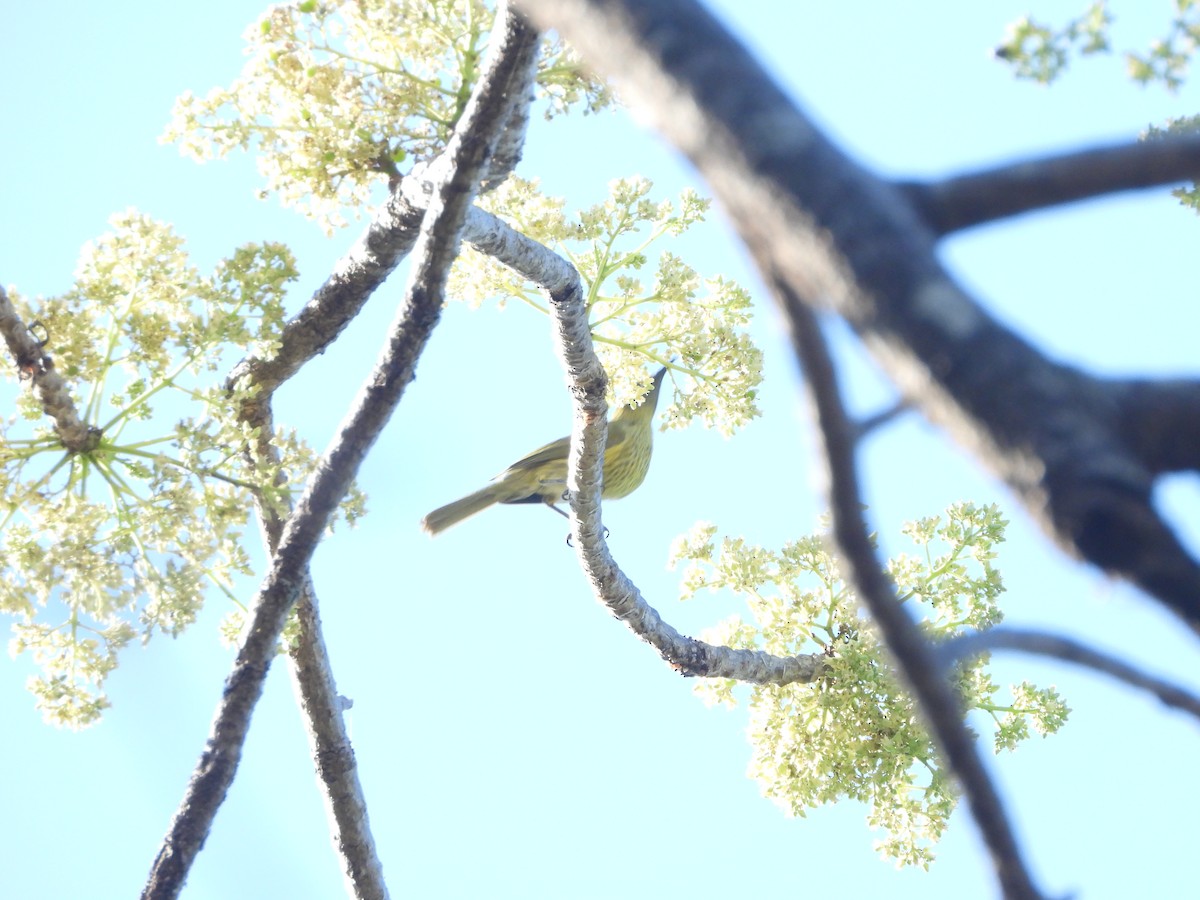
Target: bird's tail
(453, 513)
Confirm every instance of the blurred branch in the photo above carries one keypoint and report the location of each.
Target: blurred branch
(844, 239)
(913, 655)
(436, 247)
(963, 201)
(870, 423)
(1161, 421)
(1068, 650)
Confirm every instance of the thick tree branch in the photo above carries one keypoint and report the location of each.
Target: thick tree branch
(1068, 650)
(436, 247)
(963, 201)
(843, 238)
(1160, 420)
(913, 655)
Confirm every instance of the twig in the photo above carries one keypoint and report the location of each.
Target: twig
(963, 201)
(1068, 650)
(436, 247)
(865, 426)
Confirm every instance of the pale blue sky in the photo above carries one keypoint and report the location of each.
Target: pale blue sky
(514, 741)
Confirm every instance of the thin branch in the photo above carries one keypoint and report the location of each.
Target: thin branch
(333, 754)
(310, 667)
(313, 681)
(34, 363)
(611, 586)
(1067, 650)
(436, 247)
(866, 425)
(913, 655)
(964, 201)
(311, 670)
(549, 271)
(385, 242)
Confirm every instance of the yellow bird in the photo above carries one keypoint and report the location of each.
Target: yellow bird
(541, 477)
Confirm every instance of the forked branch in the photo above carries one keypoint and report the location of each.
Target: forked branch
(435, 249)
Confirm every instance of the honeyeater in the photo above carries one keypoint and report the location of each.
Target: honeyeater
(541, 477)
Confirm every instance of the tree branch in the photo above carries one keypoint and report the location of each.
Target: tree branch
(843, 238)
(383, 244)
(1068, 650)
(333, 754)
(34, 363)
(511, 143)
(549, 271)
(1161, 422)
(963, 201)
(435, 249)
(610, 585)
(913, 655)
(877, 420)
(311, 670)
(320, 704)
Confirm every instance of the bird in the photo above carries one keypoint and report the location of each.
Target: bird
(541, 477)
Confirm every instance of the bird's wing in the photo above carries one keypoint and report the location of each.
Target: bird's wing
(617, 432)
(555, 450)
(558, 450)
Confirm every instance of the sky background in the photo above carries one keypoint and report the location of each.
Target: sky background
(514, 740)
